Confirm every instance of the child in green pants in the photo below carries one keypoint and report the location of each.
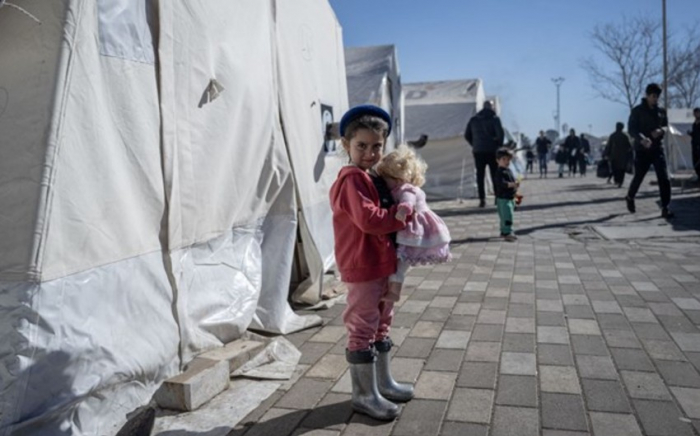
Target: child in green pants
(506, 187)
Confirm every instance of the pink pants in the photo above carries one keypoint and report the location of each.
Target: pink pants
(367, 317)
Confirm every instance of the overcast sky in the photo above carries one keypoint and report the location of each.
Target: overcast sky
(515, 46)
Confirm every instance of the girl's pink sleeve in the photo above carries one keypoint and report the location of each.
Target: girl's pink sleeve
(356, 201)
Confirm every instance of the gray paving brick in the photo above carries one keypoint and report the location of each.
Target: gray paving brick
(470, 405)
(605, 396)
(435, 314)
(645, 385)
(331, 413)
(305, 394)
(478, 375)
(463, 428)
(444, 360)
(519, 342)
(552, 319)
(610, 424)
(629, 359)
(416, 347)
(278, 422)
(584, 344)
(521, 311)
(689, 399)
(483, 351)
(661, 418)
(562, 379)
(518, 363)
(551, 354)
(552, 335)
(435, 385)
(679, 374)
(514, 390)
(687, 341)
(584, 327)
(515, 421)
(420, 417)
(562, 433)
(621, 339)
(453, 339)
(663, 350)
(580, 312)
(487, 332)
(426, 329)
(460, 322)
(677, 324)
(597, 367)
(613, 321)
(563, 412)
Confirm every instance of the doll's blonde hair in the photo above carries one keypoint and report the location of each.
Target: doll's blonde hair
(403, 164)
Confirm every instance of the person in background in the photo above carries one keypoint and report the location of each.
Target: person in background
(695, 141)
(617, 152)
(506, 188)
(572, 145)
(543, 145)
(646, 127)
(485, 134)
(561, 157)
(583, 152)
(530, 159)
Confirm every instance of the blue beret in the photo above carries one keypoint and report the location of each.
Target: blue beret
(365, 109)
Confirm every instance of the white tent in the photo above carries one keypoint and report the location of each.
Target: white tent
(441, 110)
(680, 152)
(374, 78)
(149, 196)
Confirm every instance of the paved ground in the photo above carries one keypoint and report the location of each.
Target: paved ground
(562, 333)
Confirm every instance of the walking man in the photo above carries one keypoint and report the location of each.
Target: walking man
(645, 126)
(543, 144)
(572, 146)
(617, 152)
(485, 134)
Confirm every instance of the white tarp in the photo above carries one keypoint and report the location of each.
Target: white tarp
(142, 218)
(441, 110)
(313, 92)
(680, 152)
(374, 78)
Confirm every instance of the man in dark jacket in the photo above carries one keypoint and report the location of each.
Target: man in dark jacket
(645, 126)
(485, 134)
(695, 141)
(543, 145)
(617, 152)
(572, 145)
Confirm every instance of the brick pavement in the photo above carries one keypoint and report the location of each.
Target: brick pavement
(562, 333)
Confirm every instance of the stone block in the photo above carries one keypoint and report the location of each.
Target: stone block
(236, 353)
(203, 380)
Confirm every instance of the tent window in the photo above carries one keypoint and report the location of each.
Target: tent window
(126, 29)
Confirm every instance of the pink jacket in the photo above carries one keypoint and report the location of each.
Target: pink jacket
(363, 250)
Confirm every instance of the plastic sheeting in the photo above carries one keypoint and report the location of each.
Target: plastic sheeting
(374, 78)
(312, 82)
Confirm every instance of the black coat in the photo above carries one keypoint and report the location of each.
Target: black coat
(484, 132)
(503, 177)
(644, 120)
(572, 146)
(618, 148)
(543, 144)
(695, 135)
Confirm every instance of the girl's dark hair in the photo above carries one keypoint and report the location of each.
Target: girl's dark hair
(369, 122)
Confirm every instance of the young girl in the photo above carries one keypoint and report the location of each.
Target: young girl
(366, 257)
(426, 239)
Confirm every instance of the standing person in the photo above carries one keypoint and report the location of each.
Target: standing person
(506, 187)
(426, 238)
(572, 146)
(366, 257)
(543, 145)
(583, 152)
(617, 152)
(561, 157)
(530, 159)
(695, 141)
(645, 126)
(485, 134)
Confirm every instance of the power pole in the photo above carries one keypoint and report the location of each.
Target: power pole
(672, 160)
(557, 82)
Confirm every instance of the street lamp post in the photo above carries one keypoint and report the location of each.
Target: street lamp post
(672, 160)
(557, 82)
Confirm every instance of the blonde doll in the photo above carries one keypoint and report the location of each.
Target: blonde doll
(425, 239)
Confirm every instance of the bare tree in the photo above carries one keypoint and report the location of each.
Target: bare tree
(684, 70)
(634, 50)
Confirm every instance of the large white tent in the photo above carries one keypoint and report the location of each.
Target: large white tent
(374, 78)
(441, 110)
(680, 152)
(149, 196)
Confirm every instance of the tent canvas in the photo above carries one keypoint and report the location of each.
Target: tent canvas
(441, 110)
(373, 77)
(680, 152)
(143, 217)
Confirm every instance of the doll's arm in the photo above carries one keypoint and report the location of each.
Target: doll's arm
(407, 202)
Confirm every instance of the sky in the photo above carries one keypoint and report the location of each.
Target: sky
(515, 46)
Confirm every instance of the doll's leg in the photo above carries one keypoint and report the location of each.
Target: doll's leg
(396, 282)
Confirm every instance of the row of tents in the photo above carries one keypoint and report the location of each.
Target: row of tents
(164, 167)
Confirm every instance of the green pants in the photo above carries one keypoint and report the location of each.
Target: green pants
(505, 213)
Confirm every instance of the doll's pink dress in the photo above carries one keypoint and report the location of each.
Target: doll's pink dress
(426, 238)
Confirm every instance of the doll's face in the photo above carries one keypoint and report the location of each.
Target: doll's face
(365, 148)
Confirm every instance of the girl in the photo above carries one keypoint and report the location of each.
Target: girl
(366, 257)
(425, 240)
